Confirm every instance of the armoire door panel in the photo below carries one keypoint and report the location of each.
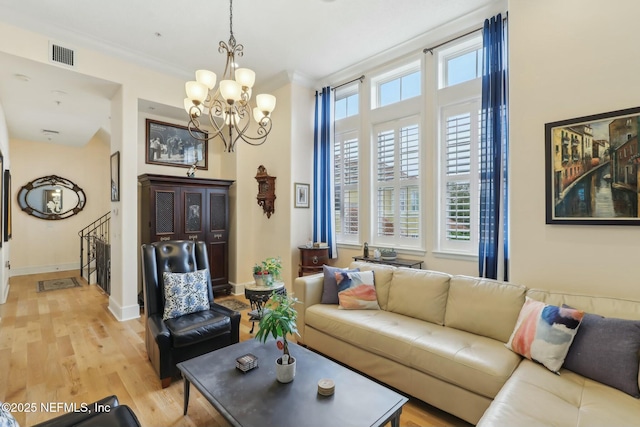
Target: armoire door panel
(164, 209)
(218, 264)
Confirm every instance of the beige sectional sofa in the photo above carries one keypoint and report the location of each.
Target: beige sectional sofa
(441, 339)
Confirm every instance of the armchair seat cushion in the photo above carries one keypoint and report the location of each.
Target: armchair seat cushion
(197, 327)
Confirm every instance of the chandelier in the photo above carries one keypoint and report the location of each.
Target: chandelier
(227, 108)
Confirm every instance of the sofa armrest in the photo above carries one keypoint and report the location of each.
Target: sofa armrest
(308, 290)
(92, 410)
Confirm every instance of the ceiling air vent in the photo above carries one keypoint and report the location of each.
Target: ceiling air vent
(62, 55)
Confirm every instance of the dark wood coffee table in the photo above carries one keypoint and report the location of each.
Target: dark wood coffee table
(255, 398)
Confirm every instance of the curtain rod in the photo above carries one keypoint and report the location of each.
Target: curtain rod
(361, 78)
(430, 49)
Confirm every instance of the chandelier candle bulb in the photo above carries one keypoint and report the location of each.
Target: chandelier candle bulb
(196, 92)
(245, 77)
(207, 78)
(266, 102)
(231, 91)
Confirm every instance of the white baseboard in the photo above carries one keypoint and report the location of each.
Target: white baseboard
(21, 271)
(124, 313)
(238, 288)
(3, 298)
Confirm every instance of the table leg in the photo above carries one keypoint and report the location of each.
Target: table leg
(187, 386)
(395, 421)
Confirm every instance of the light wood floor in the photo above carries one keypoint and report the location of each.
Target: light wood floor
(65, 346)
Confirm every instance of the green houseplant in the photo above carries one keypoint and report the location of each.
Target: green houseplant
(267, 271)
(279, 321)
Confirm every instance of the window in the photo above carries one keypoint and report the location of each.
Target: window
(397, 85)
(459, 146)
(463, 67)
(346, 106)
(346, 177)
(397, 183)
(346, 152)
(460, 139)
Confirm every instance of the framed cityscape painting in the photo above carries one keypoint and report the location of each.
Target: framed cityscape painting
(592, 169)
(172, 145)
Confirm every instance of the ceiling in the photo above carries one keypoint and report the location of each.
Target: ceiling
(312, 38)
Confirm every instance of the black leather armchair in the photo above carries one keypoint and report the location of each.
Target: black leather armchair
(106, 412)
(174, 340)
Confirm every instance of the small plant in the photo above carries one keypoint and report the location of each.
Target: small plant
(279, 320)
(271, 266)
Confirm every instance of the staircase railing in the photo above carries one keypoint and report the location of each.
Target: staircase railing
(95, 252)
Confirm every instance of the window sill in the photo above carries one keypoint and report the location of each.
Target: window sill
(455, 255)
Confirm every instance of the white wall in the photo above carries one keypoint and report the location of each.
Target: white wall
(568, 59)
(4, 251)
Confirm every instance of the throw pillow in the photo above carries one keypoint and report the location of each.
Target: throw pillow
(330, 285)
(606, 350)
(6, 418)
(543, 333)
(185, 293)
(357, 291)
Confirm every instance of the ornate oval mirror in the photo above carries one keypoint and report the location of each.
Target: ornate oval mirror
(51, 197)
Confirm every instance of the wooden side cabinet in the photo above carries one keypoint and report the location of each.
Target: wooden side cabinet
(312, 260)
(177, 208)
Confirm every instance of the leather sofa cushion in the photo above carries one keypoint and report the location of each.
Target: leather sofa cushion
(484, 307)
(476, 363)
(419, 293)
(473, 362)
(197, 327)
(387, 334)
(382, 276)
(120, 416)
(534, 396)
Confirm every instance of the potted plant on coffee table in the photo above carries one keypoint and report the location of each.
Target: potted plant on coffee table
(279, 321)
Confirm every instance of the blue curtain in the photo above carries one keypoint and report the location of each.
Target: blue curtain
(323, 200)
(494, 153)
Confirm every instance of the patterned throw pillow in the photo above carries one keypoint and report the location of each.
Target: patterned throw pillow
(330, 284)
(185, 293)
(6, 418)
(544, 333)
(356, 291)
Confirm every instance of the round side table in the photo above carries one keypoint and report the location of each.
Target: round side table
(258, 295)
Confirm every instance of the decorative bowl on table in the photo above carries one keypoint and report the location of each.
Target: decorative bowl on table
(388, 254)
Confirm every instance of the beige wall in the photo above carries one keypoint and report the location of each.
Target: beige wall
(39, 245)
(568, 59)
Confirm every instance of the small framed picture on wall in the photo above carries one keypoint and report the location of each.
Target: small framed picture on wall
(301, 195)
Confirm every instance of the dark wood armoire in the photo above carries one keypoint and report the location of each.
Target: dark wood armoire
(177, 208)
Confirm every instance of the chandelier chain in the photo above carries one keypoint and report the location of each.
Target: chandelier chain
(231, 20)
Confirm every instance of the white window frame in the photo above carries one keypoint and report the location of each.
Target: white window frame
(450, 101)
(347, 129)
(472, 177)
(393, 74)
(339, 143)
(396, 241)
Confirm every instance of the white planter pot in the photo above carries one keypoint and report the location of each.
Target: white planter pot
(285, 373)
(262, 279)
